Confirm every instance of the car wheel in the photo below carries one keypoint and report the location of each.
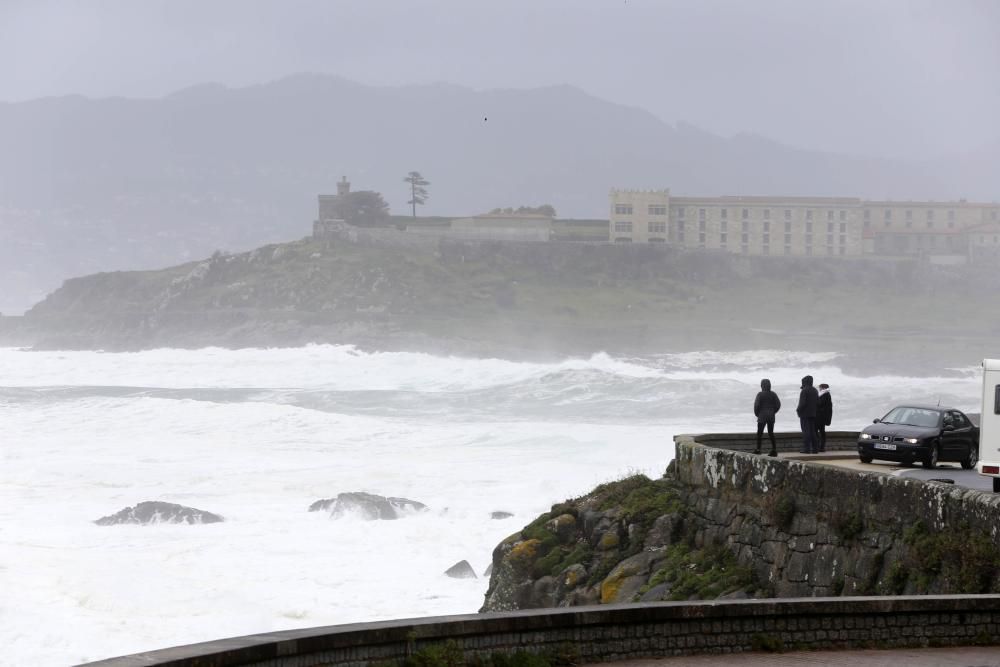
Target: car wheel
(972, 459)
(865, 459)
(932, 459)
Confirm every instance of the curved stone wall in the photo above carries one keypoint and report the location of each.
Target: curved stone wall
(614, 632)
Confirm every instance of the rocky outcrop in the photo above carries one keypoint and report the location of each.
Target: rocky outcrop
(461, 570)
(730, 524)
(150, 512)
(367, 505)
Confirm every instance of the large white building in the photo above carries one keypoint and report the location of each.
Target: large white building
(806, 226)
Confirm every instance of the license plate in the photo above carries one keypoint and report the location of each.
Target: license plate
(885, 445)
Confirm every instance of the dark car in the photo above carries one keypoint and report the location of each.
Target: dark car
(931, 435)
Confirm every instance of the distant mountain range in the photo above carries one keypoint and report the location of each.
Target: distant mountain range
(89, 185)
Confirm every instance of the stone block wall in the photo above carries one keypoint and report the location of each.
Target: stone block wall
(813, 530)
(613, 632)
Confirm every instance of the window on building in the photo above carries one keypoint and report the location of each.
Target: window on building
(788, 214)
(767, 214)
(930, 224)
(809, 250)
(829, 239)
(829, 215)
(843, 215)
(766, 250)
(930, 215)
(680, 236)
(767, 226)
(868, 214)
(623, 209)
(909, 214)
(746, 213)
(829, 250)
(745, 226)
(788, 250)
(888, 214)
(788, 239)
(993, 215)
(657, 227)
(767, 239)
(842, 250)
(829, 226)
(724, 213)
(657, 209)
(680, 212)
(888, 223)
(843, 239)
(843, 228)
(951, 224)
(809, 227)
(701, 239)
(701, 225)
(909, 224)
(723, 226)
(680, 226)
(809, 214)
(744, 248)
(744, 239)
(951, 214)
(701, 214)
(622, 226)
(722, 239)
(809, 239)
(788, 226)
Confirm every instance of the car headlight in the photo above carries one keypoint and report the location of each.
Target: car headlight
(866, 436)
(911, 441)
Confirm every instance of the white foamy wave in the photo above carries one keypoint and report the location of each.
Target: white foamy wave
(258, 435)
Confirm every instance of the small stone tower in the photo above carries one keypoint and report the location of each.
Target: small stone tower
(343, 187)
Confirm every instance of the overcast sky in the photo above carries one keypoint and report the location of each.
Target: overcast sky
(875, 77)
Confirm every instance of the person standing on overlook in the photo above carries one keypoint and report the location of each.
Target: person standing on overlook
(806, 410)
(824, 414)
(765, 407)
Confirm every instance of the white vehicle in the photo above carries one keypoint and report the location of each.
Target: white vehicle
(989, 424)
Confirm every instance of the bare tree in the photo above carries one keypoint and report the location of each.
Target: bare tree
(418, 191)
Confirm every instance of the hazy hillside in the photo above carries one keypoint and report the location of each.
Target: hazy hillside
(527, 300)
(89, 185)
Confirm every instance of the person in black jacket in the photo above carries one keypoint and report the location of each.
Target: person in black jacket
(765, 407)
(806, 410)
(824, 414)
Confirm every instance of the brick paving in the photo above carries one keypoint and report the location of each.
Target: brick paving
(966, 656)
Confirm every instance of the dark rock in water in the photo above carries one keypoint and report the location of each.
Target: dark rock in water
(488, 571)
(461, 570)
(368, 505)
(500, 515)
(157, 512)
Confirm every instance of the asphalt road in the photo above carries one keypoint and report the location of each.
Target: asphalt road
(967, 478)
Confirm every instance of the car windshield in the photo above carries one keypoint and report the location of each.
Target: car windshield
(912, 417)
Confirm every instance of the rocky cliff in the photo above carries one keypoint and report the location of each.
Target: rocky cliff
(730, 524)
(394, 289)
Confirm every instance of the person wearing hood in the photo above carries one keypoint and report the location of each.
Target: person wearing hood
(806, 410)
(824, 414)
(765, 407)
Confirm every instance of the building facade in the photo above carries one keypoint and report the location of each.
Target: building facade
(804, 226)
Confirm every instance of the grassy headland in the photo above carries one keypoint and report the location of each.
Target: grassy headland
(527, 300)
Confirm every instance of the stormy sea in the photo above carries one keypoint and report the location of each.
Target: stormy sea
(257, 435)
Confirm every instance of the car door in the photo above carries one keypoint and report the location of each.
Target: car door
(964, 429)
(951, 437)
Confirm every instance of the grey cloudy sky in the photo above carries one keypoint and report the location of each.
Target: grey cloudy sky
(875, 77)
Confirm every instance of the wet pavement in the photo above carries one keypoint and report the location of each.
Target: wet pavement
(969, 479)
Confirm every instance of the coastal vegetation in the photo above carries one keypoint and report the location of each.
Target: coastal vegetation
(394, 289)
